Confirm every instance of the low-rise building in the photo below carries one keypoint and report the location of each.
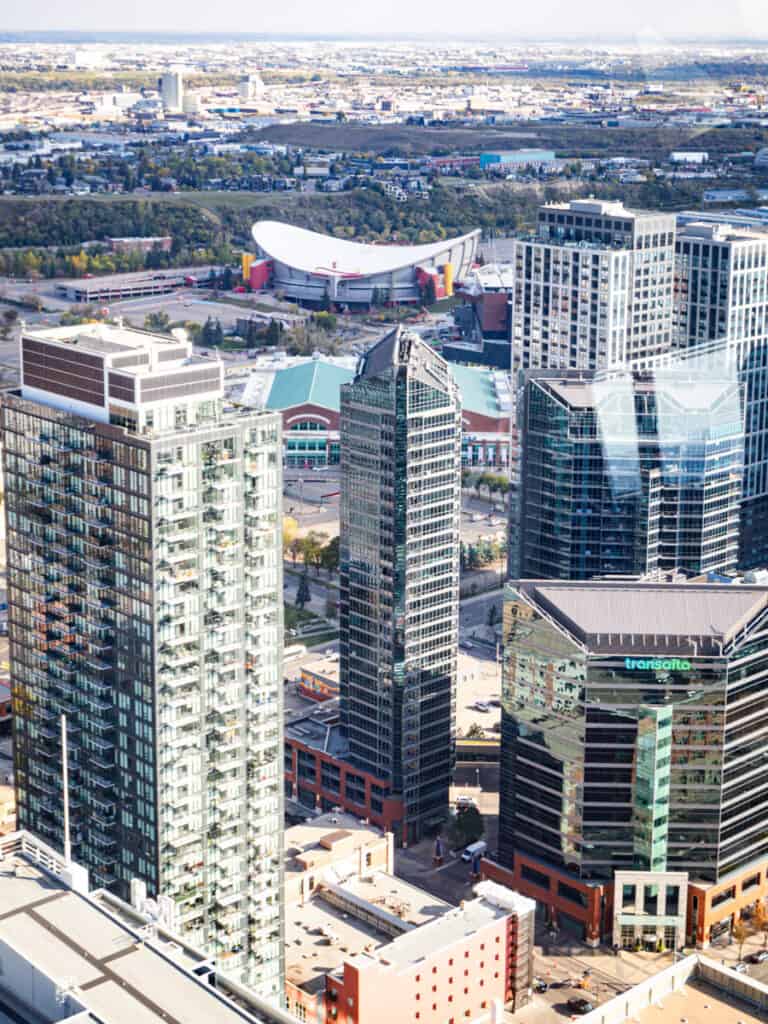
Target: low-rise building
(365, 946)
(307, 394)
(77, 956)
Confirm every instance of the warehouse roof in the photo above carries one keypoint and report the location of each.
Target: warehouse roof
(337, 257)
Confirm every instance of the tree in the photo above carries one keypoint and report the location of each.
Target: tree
(493, 615)
(312, 547)
(290, 532)
(329, 556)
(467, 827)
(475, 732)
(761, 921)
(10, 316)
(303, 595)
(159, 322)
(739, 933)
(274, 332)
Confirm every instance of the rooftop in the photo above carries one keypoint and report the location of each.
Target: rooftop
(319, 382)
(493, 902)
(348, 917)
(718, 232)
(608, 616)
(328, 256)
(89, 961)
(698, 1003)
(319, 842)
(117, 340)
(602, 208)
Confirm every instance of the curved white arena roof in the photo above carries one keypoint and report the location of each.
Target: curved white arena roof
(337, 257)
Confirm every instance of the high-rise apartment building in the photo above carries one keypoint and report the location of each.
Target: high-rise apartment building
(626, 473)
(633, 739)
(721, 321)
(172, 90)
(593, 287)
(145, 605)
(400, 503)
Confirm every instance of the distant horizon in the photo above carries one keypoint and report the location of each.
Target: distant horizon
(69, 35)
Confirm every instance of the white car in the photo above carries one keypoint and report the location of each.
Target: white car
(480, 705)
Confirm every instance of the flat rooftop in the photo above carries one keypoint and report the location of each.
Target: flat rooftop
(116, 975)
(699, 1003)
(111, 339)
(651, 617)
(319, 842)
(309, 952)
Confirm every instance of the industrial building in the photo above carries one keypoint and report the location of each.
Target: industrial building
(632, 740)
(400, 466)
(319, 269)
(145, 606)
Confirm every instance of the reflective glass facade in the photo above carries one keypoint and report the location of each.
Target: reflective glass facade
(144, 582)
(627, 751)
(721, 318)
(626, 474)
(400, 499)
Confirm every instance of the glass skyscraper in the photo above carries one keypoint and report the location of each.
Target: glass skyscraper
(632, 729)
(721, 320)
(145, 605)
(626, 473)
(400, 504)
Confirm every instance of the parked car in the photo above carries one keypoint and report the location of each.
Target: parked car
(480, 705)
(759, 957)
(474, 849)
(539, 985)
(740, 967)
(578, 1004)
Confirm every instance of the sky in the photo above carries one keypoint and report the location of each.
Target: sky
(649, 20)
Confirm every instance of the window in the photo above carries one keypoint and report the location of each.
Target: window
(628, 894)
(573, 895)
(536, 877)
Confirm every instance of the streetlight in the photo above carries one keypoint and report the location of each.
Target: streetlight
(477, 777)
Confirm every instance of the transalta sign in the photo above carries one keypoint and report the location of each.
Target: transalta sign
(664, 664)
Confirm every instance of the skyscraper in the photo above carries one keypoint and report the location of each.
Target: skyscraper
(721, 320)
(633, 738)
(172, 90)
(400, 440)
(144, 586)
(593, 287)
(623, 474)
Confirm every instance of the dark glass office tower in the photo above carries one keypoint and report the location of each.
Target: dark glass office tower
(633, 732)
(400, 505)
(624, 474)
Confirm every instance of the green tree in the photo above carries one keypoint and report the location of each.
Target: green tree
(159, 322)
(274, 332)
(475, 732)
(466, 827)
(329, 556)
(303, 595)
